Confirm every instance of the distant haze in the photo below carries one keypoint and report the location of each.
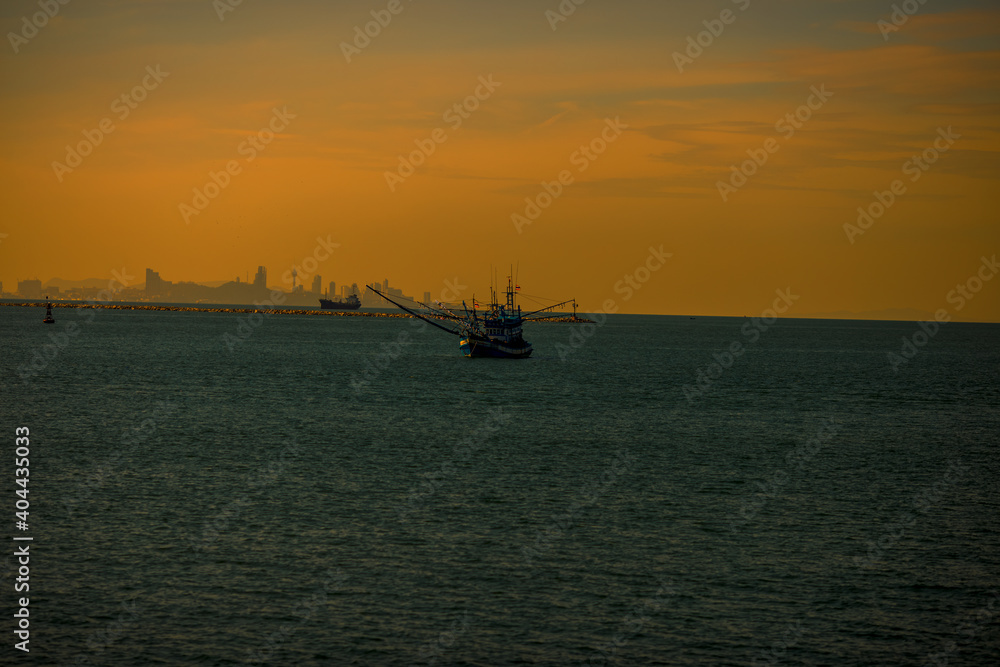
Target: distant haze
(667, 125)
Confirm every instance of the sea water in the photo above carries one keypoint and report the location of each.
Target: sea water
(313, 490)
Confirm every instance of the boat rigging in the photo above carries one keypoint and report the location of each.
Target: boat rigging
(494, 332)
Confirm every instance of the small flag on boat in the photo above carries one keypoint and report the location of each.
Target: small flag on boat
(517, 287)
(475, 304)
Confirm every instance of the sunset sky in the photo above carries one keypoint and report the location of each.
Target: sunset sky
(886, 98)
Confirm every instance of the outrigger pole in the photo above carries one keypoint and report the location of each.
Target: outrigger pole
(572, 301)
(414, 313)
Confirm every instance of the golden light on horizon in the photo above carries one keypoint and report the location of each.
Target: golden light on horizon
(173, 104)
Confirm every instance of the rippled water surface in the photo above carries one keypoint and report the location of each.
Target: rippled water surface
(338, 491)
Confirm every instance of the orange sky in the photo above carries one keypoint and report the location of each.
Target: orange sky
(324, 173)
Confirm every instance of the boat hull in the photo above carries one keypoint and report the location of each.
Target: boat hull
(328, 304)
(472, 347)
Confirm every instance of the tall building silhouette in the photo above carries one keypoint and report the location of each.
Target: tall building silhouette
(154, 285)
(30, 289)
(260, 280)
(317, 284)
(332, 292)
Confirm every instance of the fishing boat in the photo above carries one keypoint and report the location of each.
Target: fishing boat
(48, 313)
(495, 332)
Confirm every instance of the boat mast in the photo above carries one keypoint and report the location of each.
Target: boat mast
(510, 292)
